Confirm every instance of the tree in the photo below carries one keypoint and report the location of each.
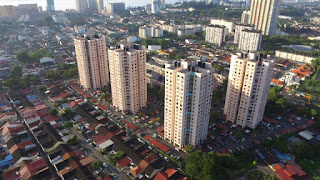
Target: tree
(23, 56)
(68, 125)
(73, 141)
(282, 103)
(187, 148)
(214, 116)
(209, 166)
(11, 83)
(42, 89)
(97, 164)
(302, 150)
(68, 113)
(313, 112)
(119, 155)
(51, 75)
(54, 112)
(16, 72)
(273, 95)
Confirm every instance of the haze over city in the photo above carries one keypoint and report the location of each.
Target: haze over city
(70, 4)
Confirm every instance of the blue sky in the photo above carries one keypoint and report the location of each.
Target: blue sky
(70, 4)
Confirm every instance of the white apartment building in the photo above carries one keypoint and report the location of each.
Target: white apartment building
(188, 93)
(127, 65)
(169, 28)
(114, 8)
(264, 15)
(216, 34)
(92, 60)
(187, 31)
(245, 17)
(238, 28)
(150, 31)
(248, 87)
(228, 24)
(250, 40)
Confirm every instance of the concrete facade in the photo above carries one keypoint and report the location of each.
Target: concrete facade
(92, 61)
(188, 93)
(248, 87)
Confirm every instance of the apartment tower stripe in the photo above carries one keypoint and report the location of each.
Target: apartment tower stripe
(188, 94)
(91, 53)
(248, 87)
(264, 15)
(127, 63)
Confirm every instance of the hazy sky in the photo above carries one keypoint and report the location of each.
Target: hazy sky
(70, 4)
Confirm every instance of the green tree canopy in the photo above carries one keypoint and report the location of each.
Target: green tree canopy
(16, 72)
(97, 164)
(208, 166)
(54, 112)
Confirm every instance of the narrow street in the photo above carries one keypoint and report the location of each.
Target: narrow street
(111, 169)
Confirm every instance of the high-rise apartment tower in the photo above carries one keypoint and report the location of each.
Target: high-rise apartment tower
(127, 63)
(92, 61)
(188, 94)
(264, 15)
(248, 87)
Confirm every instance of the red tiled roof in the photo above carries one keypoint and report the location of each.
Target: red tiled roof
(138, 130)
(160, 130)
(290, 172)
(136, 170)
(278, 166)
(40, 106)
(124, 162)
(225, 151)
(165, 174)
(97, 138)
(147, 137)
(102, 107)
(297, 169)
(159, 145)
(144, 152)
(283, 175)
(50, 118)
(130, 125)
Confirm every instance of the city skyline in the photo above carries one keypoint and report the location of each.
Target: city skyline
(71, 4)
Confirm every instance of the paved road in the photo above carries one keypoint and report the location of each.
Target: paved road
(111, 169)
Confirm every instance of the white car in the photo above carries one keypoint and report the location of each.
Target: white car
(105, 165)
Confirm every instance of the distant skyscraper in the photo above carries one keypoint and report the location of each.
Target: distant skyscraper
(7, 11)
(127, 65)
(92, 5)
(100, 5)
(250, 40)
(162, 4)
(28, 9)
(92, 61)
(245, 18)
(216, 34)
(81, 5)
(264, 15)
(211, 1)
(248, 87)
(114, 8)
(188, 96)
(154, 6)
(50, 5)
